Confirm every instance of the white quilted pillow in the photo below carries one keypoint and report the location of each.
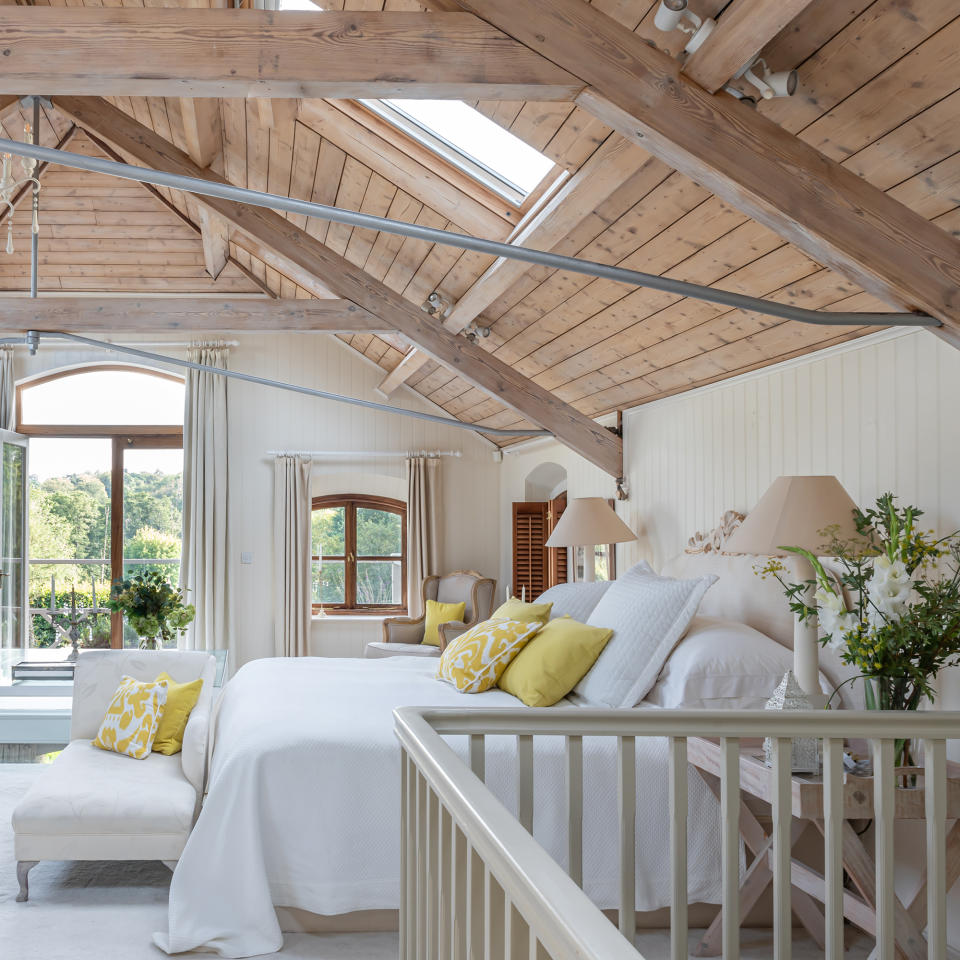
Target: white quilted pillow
(574, 600)
(648, 614)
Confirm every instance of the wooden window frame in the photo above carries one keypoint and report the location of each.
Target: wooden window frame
(122, 437)
(351, 502)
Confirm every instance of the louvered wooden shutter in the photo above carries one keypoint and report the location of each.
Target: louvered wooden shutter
(556, 556)
(529, 554)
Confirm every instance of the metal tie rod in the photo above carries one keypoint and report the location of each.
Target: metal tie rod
(543, 258)
(33, 338)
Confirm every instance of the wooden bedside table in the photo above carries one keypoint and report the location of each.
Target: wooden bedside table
(858, 863)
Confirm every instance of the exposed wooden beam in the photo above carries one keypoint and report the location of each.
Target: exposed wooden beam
(745, 159)
(604, 173)
(742, 31)
(202, 129)
(197, 315)
(296, 246)
(215, 234)
(182, 52)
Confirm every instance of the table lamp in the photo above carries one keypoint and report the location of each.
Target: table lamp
(586, 522)
(794, 512)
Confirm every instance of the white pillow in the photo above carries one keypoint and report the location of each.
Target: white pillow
(648, 614)
(575, 600)
(724, 665)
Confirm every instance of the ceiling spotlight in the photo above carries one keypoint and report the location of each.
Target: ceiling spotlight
(675, 15)
(436, 305)
(780, 84)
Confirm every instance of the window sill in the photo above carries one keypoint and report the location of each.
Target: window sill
(355, 617)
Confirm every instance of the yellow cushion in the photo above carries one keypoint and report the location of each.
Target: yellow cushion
(474, 661)
(515, 609)
(438, 613)
(181, 699)
(554, 662)
(132, 718)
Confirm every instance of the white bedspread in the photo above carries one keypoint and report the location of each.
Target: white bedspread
(304, 803)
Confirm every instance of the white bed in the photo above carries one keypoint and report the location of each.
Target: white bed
(303, 804)
(303, 808)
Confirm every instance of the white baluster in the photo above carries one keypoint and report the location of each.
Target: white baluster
(478, 754)
(445, 883)
(678, 849)
(420, 946)
(883, 799)
(627, 794)
(935, 787)
(476, 911)
(493, 907)
(575, 809)
(405, 953)
(459, 873)
(833, 847)
(433, 875)
(525, 781)
(730, 843)
(782, 822)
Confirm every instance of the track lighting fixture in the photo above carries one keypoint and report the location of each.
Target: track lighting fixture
(475, 333)
(783, 83)
(675, 15)
(436, 305)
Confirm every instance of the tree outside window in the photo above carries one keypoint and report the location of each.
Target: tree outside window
(359, 554)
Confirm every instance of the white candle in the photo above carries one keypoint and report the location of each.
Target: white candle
(93, 593)
(523, 593)
(53, 593)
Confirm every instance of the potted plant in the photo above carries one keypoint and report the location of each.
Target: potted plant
(153, 607)
(901, 624)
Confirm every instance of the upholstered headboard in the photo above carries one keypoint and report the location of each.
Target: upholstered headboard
(740, 594)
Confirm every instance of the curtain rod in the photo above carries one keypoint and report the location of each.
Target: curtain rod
(34, 337)
(226, 191)
(364, 453)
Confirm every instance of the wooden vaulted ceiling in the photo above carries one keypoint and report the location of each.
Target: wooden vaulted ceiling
(879, 93)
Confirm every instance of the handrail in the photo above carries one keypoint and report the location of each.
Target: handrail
(517, 900)
(586, 722)
(568, 923)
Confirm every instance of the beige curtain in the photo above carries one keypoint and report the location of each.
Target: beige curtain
(8, 414)
(203, 566)
(292, 556)
(423, 525)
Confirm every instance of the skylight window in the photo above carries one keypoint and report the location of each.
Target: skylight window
(460, 134)
(471, 141)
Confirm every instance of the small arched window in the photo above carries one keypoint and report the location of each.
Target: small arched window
(359, 554)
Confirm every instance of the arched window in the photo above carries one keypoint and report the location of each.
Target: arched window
(359, 554)
(105, 491)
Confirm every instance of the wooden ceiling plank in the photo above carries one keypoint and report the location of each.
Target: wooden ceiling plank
(408, 173)
(113, 315)
(814, 203)
(256, 53)
(584, 436)
(610, 166)
(743, 30)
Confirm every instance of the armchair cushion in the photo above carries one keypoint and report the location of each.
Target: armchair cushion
(181, 699)
(374, 651)
(133, 717)
(438, 613)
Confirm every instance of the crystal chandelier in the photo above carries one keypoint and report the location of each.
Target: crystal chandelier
(9, 186)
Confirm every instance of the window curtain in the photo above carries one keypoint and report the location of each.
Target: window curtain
(292, 590)
(203, 564)
(423, 525)
(8, 414)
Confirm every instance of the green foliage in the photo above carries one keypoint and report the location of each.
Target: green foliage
(154, 608)
(904, 585)
(150, 544)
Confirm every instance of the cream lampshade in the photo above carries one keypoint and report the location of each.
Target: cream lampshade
(794, 512)
(586, 522)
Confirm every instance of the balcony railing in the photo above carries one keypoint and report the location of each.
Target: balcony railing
(475, 883)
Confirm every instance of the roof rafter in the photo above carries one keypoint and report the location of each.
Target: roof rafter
(474, 364)
(745, 159)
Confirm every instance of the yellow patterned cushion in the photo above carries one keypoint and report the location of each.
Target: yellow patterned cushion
(514, 609)
(133, 717)
(474, 661)
(554, 662)
(438, 613)
(181, 699)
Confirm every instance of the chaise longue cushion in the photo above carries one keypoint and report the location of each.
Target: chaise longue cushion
(96, 805)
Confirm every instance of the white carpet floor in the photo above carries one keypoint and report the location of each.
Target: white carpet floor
(108, 911)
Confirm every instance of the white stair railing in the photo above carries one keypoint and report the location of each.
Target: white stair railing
(475, 885)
